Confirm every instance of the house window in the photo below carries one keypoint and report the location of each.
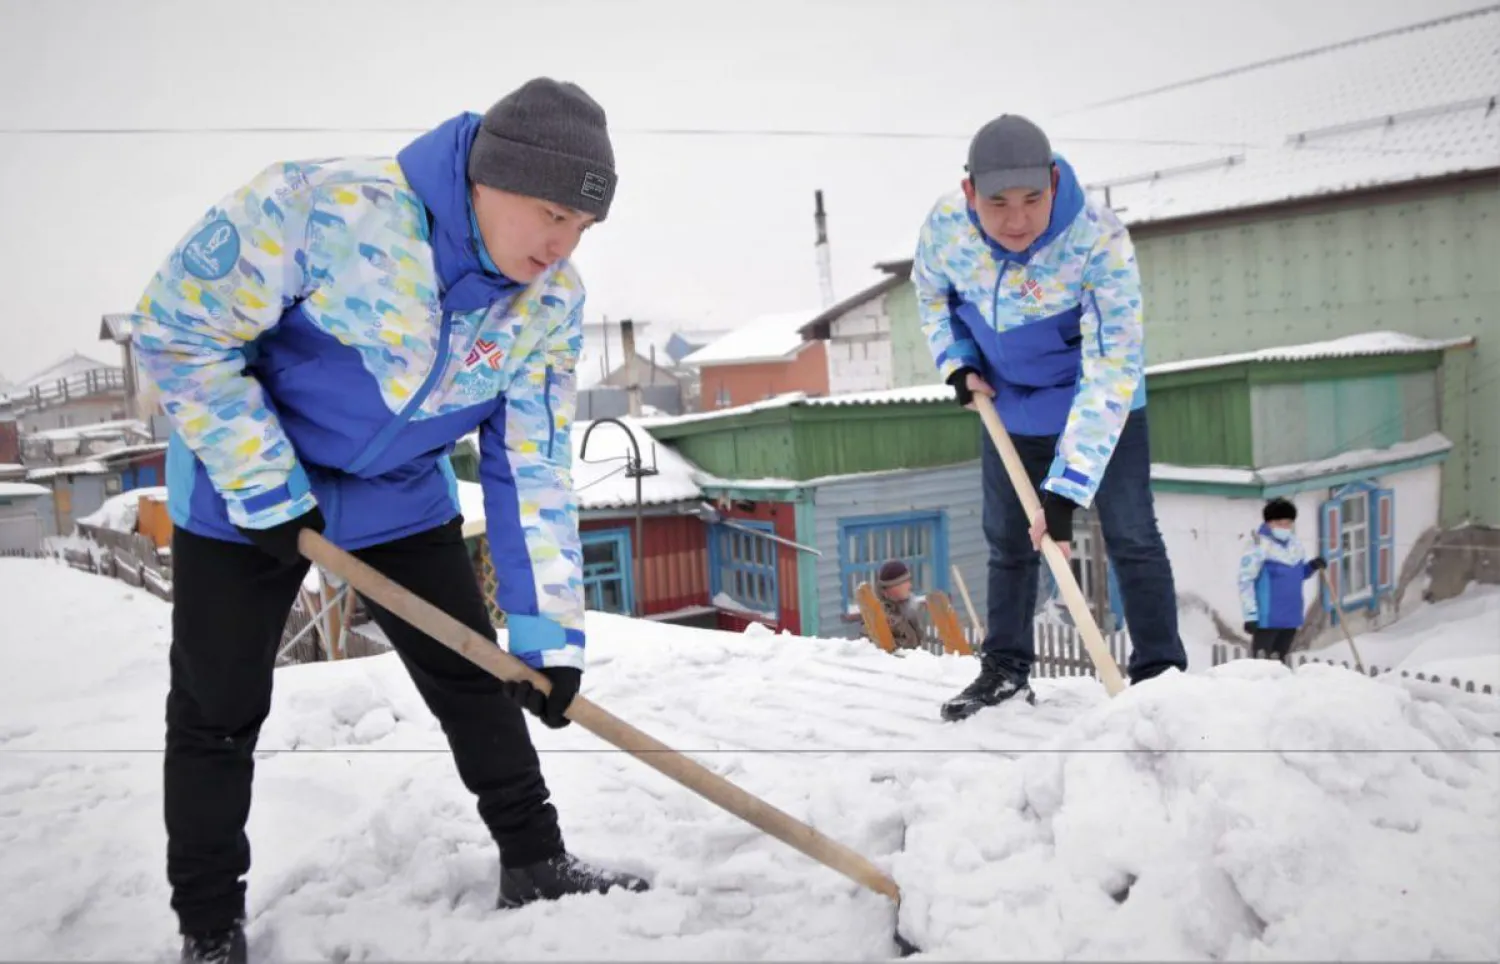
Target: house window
(722, 400)
(920, 539)
(744, 567)
(1357, 535)
(607, 582)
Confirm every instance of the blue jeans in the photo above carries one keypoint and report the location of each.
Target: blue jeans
(1127, 517)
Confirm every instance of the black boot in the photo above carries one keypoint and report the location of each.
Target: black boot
(992, 686)
(215, 947)
(557, 877)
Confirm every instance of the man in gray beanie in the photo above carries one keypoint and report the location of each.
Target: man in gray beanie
(322, 337)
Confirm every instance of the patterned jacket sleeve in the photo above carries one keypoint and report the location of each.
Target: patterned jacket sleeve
(1250, 566)
(531, 511)
(1113, 364)
(948, 340)
(225, 284)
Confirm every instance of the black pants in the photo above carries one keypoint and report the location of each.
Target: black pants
(231, 606)
(1272, 644)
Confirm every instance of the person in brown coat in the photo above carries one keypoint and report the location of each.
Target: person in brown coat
(902, 613)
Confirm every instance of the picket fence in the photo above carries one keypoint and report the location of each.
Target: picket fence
(1226, 652)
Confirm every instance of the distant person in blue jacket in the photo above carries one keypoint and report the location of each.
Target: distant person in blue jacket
(320, 340)
(1028, 292)
(1272, 572)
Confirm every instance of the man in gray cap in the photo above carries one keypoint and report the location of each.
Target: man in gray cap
(1028, 292)
(320, 339)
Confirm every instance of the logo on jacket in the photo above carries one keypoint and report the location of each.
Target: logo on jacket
(1031, 289)
(594, 186)
(484, 353)
(212, 252)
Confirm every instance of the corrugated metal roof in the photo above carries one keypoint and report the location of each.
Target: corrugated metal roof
(892, 396)
(1408, 104)
(1369, 344)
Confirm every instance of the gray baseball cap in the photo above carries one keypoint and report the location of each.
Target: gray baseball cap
(1010, 151)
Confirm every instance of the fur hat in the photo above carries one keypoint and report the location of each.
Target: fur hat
(893, 573)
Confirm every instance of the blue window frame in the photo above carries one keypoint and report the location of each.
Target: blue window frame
(920, 539)
(1357, 536)
(743, 566)
(607, 583)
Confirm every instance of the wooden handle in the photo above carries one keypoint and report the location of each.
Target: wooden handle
(963, 589)
(490, 657)
(1343, 622)
(1078, 607)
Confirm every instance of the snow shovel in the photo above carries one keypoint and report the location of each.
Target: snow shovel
(1078, 606)
(484, 653)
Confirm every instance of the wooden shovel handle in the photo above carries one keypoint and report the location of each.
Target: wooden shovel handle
(490, 657)
(1083, 618)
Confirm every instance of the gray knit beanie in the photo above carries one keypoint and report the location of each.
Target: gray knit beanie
(547, 139)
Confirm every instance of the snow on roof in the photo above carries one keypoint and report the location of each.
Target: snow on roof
(22, 490)
(767, 338)
(601, 482)
(1407, 104)
(1356, 459)
(119, 426)
(73, 364)
(1310, 815)
(889, 396)
(1368, 344)
(89, 467)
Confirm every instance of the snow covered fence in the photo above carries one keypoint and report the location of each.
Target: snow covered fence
(134, 559)
(1224, 653)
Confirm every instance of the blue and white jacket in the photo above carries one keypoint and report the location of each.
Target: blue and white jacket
(326, 334)
(1272, 571)
(1056, 329)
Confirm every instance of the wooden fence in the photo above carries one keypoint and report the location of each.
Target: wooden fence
(1225, 652)
(1059, 648)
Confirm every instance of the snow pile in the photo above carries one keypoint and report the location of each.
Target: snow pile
(1253, 812)
(121, 512)
(1455, 639)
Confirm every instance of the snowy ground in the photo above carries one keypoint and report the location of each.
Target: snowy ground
(1264, 814)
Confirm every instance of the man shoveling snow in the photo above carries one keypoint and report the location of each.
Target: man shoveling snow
(1028, 292)
(320, 340)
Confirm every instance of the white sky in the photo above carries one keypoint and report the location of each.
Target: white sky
(705, 228)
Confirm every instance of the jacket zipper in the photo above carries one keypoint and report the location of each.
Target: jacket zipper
(547, 404)
(383, 438)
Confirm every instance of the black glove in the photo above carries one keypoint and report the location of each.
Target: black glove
(1251, 627)
(549, 709)
(280, 541)
(1058, 511)
(1317, 563)
(960, 382)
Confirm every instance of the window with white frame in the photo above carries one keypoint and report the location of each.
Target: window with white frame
(1357, 537)
(918, 539)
